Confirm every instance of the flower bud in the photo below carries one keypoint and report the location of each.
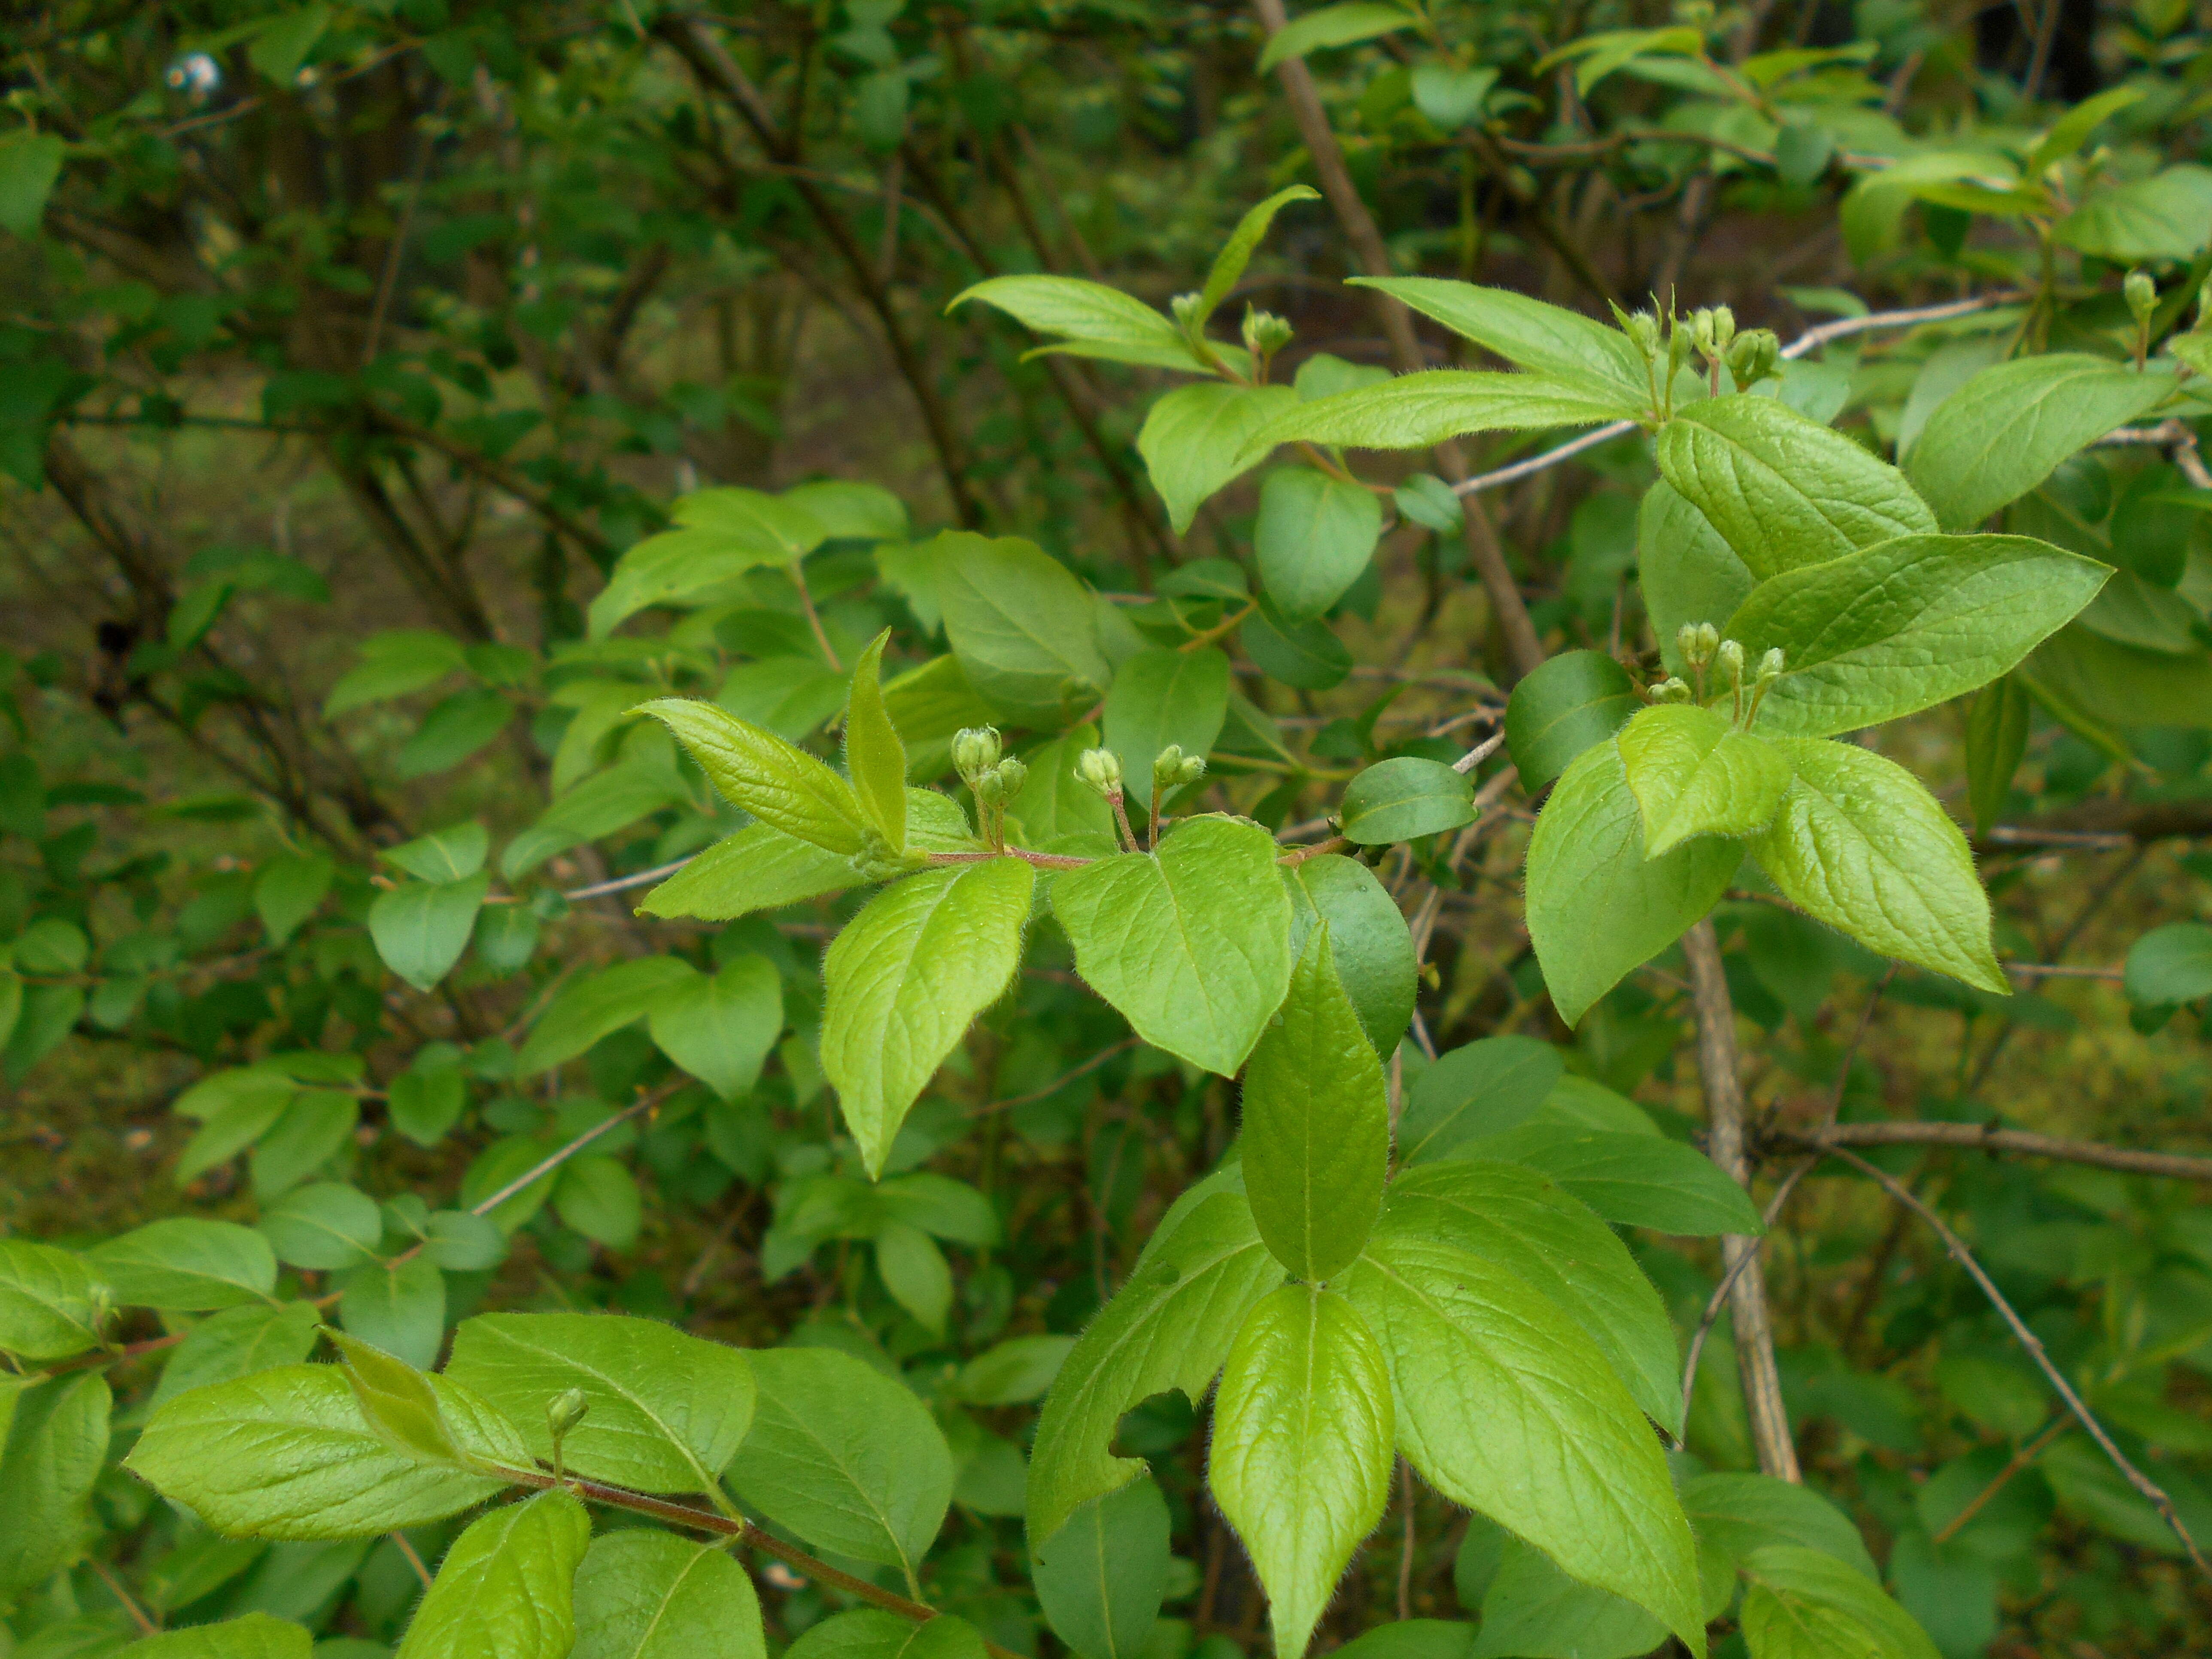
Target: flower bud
(1730, 660)
(975, 751)
(2142, 294)
(1172, 768)
(1643, 330)
(565, 1410)
(1265, 333)
(1698, 642)
(1184, 306)
(990, 788)
(1012, 774)
(1771, 666)
(1712, 327)
(1100, 769)
(1753, 357)
(1672, 690)
(1678, 349)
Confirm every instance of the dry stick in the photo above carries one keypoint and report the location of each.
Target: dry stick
(1717, 1065)
(1713, 1313)
(2020, 1460)
(1525, 650)
(414, 1560)
(2150, 1491)
(1405, 1555)
(146, 1626)
(2179, 1166)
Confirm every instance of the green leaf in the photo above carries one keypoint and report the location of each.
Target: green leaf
(1368, 938)
(398, 1306)
(1559, 1247)
(421, 928)
(506, 1588)
(1102, 1576)
(393, 665)
(187, 1265)
(1738, 1514)
(1160, 698)
(1597, 907)
(46, 1301)
(648, 1595)
(1314, 538)
(1506, 1406)
(2161, 217)
(1168, 1327)
(1415, 412)
(56, 1434)
(905, 979)
(1192, 944)
(1316, 1133)
(288, 890)
(873, 754)
(760, 774)
(599, 1197)
(915, 1271)
(1098, 321)
(1449, 94)
(1805, 1605)
(1237, 253)
(1531, 1610)
(1688, 573)
(1784, 491)
(423, 1105)
(1636, 1180)
(1403, 799)
(1056, 811)
(759, 868)
(1021, 626)
(780, 530)
(281, 45)
(721, 1027)
(2168, 966)
(592, 1007)
(676, 566)
(1904, 626)
(1486, 1088)
(1996, 738)
(1528, 333)
(1302, 1448)
(397, 1402)
(2006, 429)
(1861, 845)
(239, 1342)
(1012, 1372)
(461, 1242)
(844, 1457)
(30, 164)
(1573, 701)
(1306, 654)
(1197, 438)
(1338, 25)
(286, 1454)
(1694, 772)
(850, 510)
(668, 1411)
(2073, 128)
(455, 729)
(256, 1635)
(311, 1131)
(325, 1227)
(872, 1633)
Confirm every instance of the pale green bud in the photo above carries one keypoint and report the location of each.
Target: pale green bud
(1672, 690)
(565, 1410)
(2142, 294)
(990, 788)
(975, 751)
(1712, 327)
(1642, 329)
(1173, 770)
(1184, 306)
(1012, 774)
(1100, 769)
(1770, 666)
(1698, 642)
(1730, 660)
(1753, 355)
(1265, 333)
(876, 861)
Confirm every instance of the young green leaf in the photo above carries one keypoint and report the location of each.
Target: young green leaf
(1555, 1243)
(1904, 626)
(1237, 253)
(1404, 798)
(1505, 1406)
(239, 1342)
(1415, 412)
(286, 1454)
(905, 979)
(327, 1227)
(289, 890)
(1337, 24)
(1688, 573)
(397, 1401)
(1530, 1606)
(1197, 438)
(506, 1590)
(1367, 937)
(1694, 772)
(1159, 697)
(1784, 491)
(721, 1027)
(873, 754)
(1168, 1327)
(421, 928)
(1302, 1448)
(447, 854)
(56, 1434)
(1636, 1180)
(2006, 429)
(1097, 321)
(843, 1456)
(1805, 1605)
(256, 1635)
(2170, 965)
(1316, 1124)
(1191, 945)
(647, 1594)
(1860, 844)
(1574, 701)
(1738, 1514)
(872, 1633)
(423, 1105)
(1314, 538)
(1597, 907)
(46, 1301)
(1546, 339)
(187, 1264)
(1021, 625)
(759, 868)
(398, 1306)
(1102, 1576)
(1483, 1088)
(1997, 738)
(668, 1410)
(759, 772)
(915, 1271)
(598, 1005)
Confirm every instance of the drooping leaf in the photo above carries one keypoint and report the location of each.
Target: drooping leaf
(1860, 844)
(1904, 626)
(1193, 945)
(1404, 798)
(776, 782)
(421, 928)
(873, 754)
(1021, 626)
(843, 1456)
(761, 868)
(1098, 321)
(1316, 1123)
(1197, 438)
(1694, 773)
(1574, 699)
(1302, 1448)
(1368, 939)
(648, 1595)
(1505, 1406)
(907, 977)
(1597, 907)
(1638, 1181)
(1102, 1576)
(1996, 738)
(1314, 538)
(506, 1590)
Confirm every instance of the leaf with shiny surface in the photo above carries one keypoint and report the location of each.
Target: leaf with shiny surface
(646, 1595)
(758, 772)
(1197, 438)
(506, 1590)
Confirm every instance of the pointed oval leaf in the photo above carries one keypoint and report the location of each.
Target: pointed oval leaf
(1694, 772)
(47, 1296)
(1367, 938)
(777, 783)
(721, 1027)
(648, 1595)
(1088, 312)
(256, 1635)
(56, 1441)
(506, 1590)
(1486, 1088)
(1314, 538)
(873, 754)
(1805, 1605)
(1415, 412)
(421, 928)
(1634, 1180)
(1197, 438)
(1688, 573)
(1528, 332)
(1159, 697)
(1021, 626)
(1101, 1578)
(1405, 798)
(1237, 253)
(1573, 701)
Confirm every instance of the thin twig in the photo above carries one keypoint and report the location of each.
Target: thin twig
(2020, 1460)
(1058, 1082)
(107, 1577)
(1481, 752)
(2150, 1491)
(1713, 1313)
(554, 1160)
(414, 1560)
(1988, 1137)
(623, 884)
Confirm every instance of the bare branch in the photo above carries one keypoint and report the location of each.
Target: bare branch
(1988, 1137)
